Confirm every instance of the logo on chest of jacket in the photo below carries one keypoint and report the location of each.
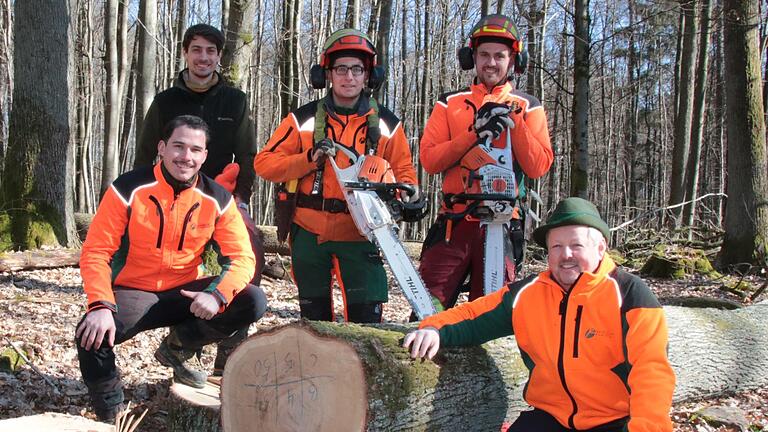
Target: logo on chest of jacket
(200, 226)
(592, 332)
(225, 119)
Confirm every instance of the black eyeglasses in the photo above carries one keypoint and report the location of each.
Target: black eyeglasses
(341, 70)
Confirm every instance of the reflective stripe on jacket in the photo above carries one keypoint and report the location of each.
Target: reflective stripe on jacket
(594, 355)
(449, 133)
(144, 237)
(287, 156)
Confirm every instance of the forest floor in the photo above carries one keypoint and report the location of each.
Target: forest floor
(39, 310)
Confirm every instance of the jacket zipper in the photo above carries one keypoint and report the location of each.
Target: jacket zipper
(186, 222)
(561, 351)
(162, 220)
(576, 331)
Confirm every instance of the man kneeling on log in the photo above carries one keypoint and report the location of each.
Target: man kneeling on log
(593, 336)
(140, 266)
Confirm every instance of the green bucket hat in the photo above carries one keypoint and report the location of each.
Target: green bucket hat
(572, 211)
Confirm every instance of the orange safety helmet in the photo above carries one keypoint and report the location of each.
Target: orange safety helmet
(498, 28)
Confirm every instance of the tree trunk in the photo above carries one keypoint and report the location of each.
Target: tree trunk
(746, 214)
(6, 77)
(40, 188)
(310, 375)
(112, 98)
(145, 73)
(289, 57)
(353, 14)
(236, 59)
(382, 44)
(580, 120)
(683, 118)
(54, 422)
(697, 132)
(179, 29)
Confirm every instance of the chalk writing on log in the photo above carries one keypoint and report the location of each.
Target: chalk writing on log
(285, 383)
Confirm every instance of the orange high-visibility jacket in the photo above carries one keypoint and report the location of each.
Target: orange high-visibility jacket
(144, 237)
(287, 156)
(595, 354)
(449, 133)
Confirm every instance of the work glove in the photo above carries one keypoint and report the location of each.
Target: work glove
(228, 177)
(491, 120)
(323, 149)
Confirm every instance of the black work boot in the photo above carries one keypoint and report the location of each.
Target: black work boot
(225, 348)
(184, 361)
(108, 414)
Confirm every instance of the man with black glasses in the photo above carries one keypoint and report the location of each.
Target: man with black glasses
(324, 239)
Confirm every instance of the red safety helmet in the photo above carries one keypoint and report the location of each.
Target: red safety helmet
(348, 42)
(494, 28)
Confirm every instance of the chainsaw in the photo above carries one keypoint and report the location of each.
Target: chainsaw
(370, 190)
(492, 193)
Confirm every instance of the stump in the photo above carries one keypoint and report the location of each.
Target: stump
(308, 375)
(191, 409)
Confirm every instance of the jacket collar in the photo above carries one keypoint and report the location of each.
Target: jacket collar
(164, 178)
(498, 91)
(179, 83)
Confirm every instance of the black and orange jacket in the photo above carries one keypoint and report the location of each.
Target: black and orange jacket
(595, 354)
(225, 111)
(144, 237)
(449, 133)
(287, 156)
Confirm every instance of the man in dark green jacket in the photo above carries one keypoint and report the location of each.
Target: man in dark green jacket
(201, 91)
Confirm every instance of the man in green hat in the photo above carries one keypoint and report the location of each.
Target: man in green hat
(594, 337)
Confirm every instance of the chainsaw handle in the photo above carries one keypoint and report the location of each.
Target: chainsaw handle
(464, 197)
(382, 187)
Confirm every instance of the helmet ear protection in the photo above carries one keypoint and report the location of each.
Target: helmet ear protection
(317, 77)
(347, 40)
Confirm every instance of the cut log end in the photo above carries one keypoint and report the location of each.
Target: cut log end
(192, 409)
(293, 379)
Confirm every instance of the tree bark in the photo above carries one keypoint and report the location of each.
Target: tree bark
(581, 87)
(382, 45)
(697, 127)
(145, 73)
(684, 116)
(353, 14)
(39, 190)
(746, 215)
(306, 375)
(236, 59)
(112, 98)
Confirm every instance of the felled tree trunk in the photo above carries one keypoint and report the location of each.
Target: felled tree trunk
(331, 377)
(54, 422)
